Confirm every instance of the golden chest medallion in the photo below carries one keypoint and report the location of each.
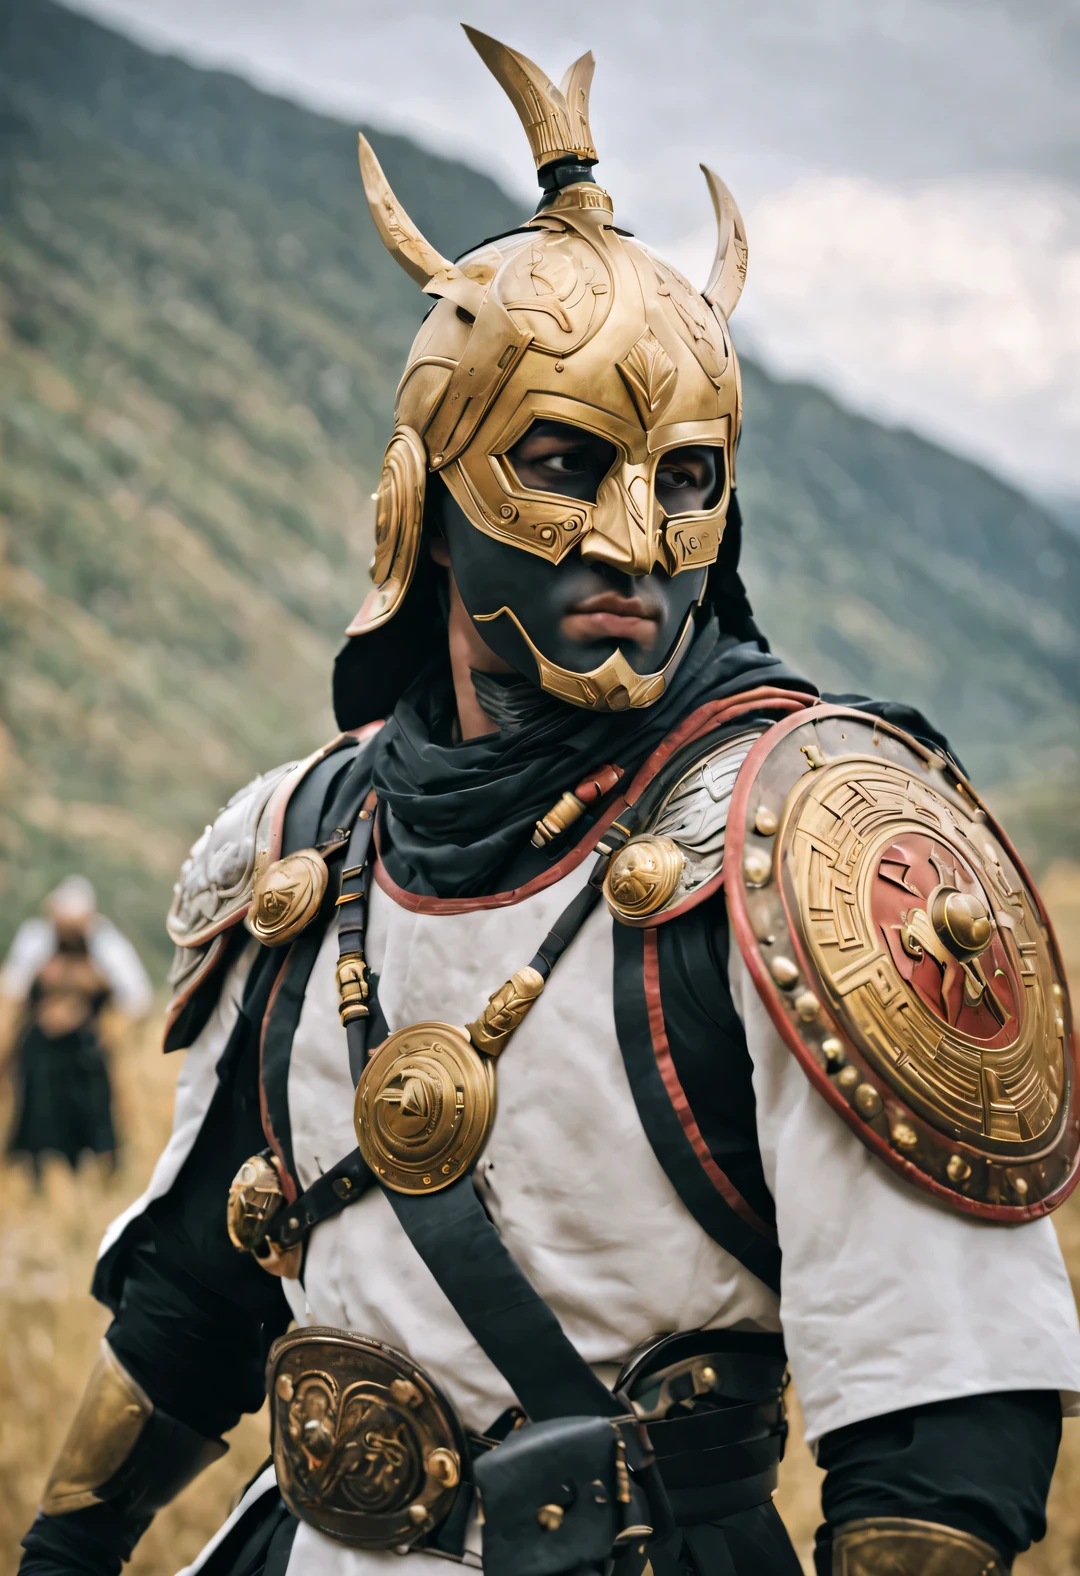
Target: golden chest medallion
(426, 1099)
(424, 1107)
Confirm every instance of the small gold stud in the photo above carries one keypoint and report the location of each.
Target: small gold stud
(550, 1517)
(847, 1077)
(957, 1169)
(417, 1514)
(807, 1006)
(1020, 1186)
(284, 1387)
(784, 972)
(905, 1137)
(766, 821)
(832, 1049)
(867, 1101)
(757, 867)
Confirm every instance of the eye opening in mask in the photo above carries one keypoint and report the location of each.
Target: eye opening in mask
(558, 457)
(690, 479)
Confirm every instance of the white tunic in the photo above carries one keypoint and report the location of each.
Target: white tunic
(888, 1298)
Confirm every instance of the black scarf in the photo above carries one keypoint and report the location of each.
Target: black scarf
(457, 817)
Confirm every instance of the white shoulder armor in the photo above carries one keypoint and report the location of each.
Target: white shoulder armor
(216, 878)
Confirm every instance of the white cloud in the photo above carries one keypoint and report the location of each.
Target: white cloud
(953, 307)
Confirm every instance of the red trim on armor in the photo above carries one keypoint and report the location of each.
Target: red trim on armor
(288, 1185)
(711, 715)
(677, 1095)
(751, 952)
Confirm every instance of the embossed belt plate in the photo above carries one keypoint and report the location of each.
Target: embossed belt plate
(906, 959)
(366, 1448)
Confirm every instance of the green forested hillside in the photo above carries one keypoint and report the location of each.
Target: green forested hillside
(200, 337)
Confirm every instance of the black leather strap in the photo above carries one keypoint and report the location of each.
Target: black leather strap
(510, 1322)
(478, 1275)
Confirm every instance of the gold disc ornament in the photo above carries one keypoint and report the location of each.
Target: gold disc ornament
(643, 876)
(907, 960)
(424, 1107)
(286, 897)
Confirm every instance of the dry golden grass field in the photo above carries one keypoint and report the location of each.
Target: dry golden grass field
(49, 1328)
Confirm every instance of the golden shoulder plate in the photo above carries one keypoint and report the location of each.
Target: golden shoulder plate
(424, 1106)
(366, 1448)
(907, 960)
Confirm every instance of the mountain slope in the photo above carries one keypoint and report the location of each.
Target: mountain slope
(201, 339)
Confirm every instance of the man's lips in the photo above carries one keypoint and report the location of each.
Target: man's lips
(614, 617)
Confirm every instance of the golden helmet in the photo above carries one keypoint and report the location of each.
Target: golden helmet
(567, 319)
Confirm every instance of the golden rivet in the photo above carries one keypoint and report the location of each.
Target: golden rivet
(766, 821)
(1059, 1025)
(550, 1517)
(848, 1077)
(867, 1101)
(833, 1050)
(807, 1005)
(784, 972)
(757, 867)
(427, 1181)
(560, 366)
(446, 1169)
(438, 459)
(405, 1393)
(904, 1136)
(708, 1375)
(1058, 992)
(417, 1514)
(957, 1169)
(284, 1387)
(443, 1466)
(1020, 1186)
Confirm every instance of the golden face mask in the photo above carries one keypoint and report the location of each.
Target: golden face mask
(565, 320)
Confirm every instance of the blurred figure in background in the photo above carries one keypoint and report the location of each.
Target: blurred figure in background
(61, 973)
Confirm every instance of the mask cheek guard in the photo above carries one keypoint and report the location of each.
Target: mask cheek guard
(569, 1494)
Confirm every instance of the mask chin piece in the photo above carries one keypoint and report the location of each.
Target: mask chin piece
(614, 685)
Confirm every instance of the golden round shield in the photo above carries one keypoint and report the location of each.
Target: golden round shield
(424, 1107)
(366, 1448)
(905, 956)
(286, 897)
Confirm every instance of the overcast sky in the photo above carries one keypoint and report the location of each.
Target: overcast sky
(909, 170)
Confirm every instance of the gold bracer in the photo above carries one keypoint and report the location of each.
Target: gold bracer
(897, 1546)
(366, 1447)
(112, 1414)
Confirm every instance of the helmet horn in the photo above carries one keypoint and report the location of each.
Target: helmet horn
(435, 274)
(556, 119)
(729, 265)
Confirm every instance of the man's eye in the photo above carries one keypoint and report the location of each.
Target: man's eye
(571, 464)
(674, 480)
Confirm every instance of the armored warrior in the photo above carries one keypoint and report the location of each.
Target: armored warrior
(778, 1028)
